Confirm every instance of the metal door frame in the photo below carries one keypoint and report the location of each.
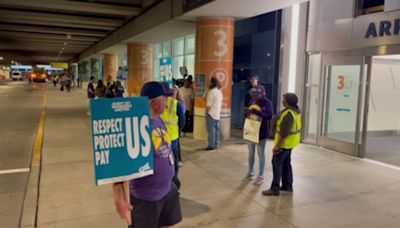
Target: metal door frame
(354, 149)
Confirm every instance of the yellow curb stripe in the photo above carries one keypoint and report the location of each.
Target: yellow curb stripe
(37, 149)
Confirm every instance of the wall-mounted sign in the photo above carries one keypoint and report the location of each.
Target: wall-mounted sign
(376, 29)
(166, 70)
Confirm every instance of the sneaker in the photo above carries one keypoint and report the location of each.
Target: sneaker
(249, 176)
(209, 148)
(270, 192)
(180, 164)
(286, 189)
(259, 180)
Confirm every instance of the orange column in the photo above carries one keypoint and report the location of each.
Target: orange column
(140, 66)
(214, 58)
(110, 67)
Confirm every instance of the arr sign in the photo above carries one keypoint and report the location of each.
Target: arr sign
(121, 134)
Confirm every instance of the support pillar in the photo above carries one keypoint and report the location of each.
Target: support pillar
(140, 67)
(110, 67)
(214, 58)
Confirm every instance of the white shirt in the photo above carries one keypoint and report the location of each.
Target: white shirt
(214, 102)
(187, 94)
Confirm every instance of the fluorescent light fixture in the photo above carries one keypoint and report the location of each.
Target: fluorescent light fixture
(293, 47)
(1, 58)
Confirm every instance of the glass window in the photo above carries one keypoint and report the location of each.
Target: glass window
(369, 6)
(157, 50)
(166, 49)
(189, 63)
(178, 46)
(190, 44)
(156, 69)
(177, 63)
(312, 86)
(342, 100)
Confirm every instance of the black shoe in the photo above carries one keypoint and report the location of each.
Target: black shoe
(270, 192)
(209, 148)
(286, 189)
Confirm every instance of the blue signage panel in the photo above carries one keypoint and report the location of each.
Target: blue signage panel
(122, 146)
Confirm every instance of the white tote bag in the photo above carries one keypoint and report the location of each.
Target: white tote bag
(251, 130)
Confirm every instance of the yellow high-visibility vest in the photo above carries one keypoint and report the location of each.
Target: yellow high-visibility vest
(293, 139)
(171, 118)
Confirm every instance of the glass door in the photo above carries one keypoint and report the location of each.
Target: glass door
(344, 92)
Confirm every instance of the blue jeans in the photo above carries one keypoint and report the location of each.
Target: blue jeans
(175, 150)
(213, 132)
(261, 156)
(282, 168)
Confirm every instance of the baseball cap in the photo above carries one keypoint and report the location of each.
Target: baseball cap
(154, 89)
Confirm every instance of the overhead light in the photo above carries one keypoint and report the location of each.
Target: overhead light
(68, 36)
(62, 49)
(1, 58)
(65, 43)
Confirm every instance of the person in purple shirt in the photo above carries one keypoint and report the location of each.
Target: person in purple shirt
(259, 109)
(154, 200)
(119, 89)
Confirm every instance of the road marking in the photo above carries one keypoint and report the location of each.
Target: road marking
(22, 170)
(37, 149)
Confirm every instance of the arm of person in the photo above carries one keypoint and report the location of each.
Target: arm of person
(121, 205)
(210, 100)
(285, 129)
(181, 116)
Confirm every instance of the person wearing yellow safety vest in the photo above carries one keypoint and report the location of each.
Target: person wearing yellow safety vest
(286, 131)
(174, 119)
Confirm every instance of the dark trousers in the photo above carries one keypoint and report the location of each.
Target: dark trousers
(175, 150)
(188, 122)
(282, 168)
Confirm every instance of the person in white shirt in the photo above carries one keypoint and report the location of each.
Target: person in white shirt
(187, 95)
(213, 110)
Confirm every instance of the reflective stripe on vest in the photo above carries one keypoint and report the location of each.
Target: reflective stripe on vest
(293, 139)
(171, 118)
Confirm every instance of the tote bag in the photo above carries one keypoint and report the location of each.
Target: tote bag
(251, 130)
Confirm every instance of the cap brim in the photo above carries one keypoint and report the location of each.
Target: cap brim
(167, 94)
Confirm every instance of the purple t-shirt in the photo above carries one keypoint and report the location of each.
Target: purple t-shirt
(89, 94)
(156, 186)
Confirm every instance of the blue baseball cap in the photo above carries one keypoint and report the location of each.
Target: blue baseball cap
(154, 89)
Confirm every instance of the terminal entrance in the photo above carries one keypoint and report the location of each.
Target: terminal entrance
(383, 127)
(352, 105)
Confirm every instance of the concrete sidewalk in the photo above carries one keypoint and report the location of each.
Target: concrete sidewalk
(330, 189)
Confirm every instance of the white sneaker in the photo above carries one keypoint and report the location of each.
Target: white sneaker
(259, 180)
(180, 164)
(249, 176)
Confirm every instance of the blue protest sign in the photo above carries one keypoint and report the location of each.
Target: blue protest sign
(122, 146)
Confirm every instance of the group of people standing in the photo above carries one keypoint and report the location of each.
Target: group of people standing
(110, 90)
(154, 200)
(285, 127)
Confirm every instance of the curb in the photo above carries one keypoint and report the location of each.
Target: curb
(30, 205)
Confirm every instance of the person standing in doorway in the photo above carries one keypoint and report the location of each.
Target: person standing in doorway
(260, 109)
(254, 90)
(287, 130)
(154, 200)
(213, 111)
(174, 119)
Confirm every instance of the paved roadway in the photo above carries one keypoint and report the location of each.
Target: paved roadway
(20, 108)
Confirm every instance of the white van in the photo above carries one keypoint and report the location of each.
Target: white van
(16, 75)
